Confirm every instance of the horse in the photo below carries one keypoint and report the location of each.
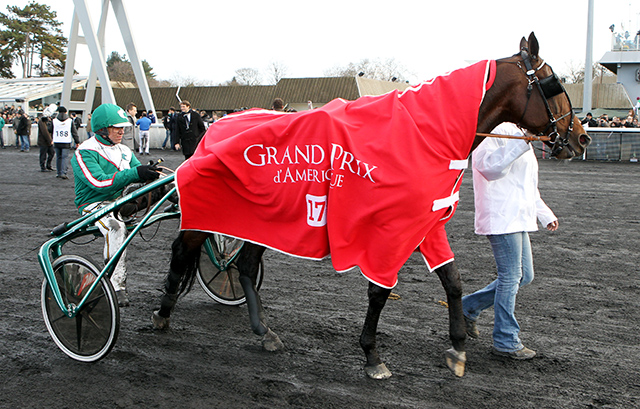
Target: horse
(524, 91)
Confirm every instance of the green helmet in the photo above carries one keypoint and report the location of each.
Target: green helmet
(107, 115)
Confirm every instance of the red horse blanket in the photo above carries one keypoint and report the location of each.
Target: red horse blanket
(365, 181)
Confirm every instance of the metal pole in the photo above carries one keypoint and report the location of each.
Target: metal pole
(588, 63)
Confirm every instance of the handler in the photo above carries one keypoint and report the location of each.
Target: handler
(102, 168)
(507, 202)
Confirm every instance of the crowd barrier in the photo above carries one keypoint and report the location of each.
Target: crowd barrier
(156, 135)
(607, 144)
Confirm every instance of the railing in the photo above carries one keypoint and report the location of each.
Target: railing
(625, 42)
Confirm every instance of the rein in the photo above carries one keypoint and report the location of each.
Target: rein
(541, 138)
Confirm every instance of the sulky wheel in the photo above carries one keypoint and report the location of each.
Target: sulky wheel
(218, 277)
(90, 335)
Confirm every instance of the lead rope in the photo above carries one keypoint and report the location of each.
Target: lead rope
(541, 138)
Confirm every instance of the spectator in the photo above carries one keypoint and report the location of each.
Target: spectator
(15, 118)
(145, 124)
(278, 104)
(628, 122)
(151, 117)
(603, 121)
(190, 129)
(615, 122)
(23, 130)
(166, 122)
(2, 123)
(88, 128)
(64, 133)
(76, 121)
(589, 121)
(129, 140)
(45, 142)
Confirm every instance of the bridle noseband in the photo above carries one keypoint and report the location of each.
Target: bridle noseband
(548, 87)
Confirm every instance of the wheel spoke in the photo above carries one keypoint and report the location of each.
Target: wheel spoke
(93, 302)
(79, 331)
(101, 330)
(229, 283)
(214, 277)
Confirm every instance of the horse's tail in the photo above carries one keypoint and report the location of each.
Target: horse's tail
(185, 260)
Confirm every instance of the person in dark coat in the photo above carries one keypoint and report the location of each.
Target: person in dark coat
(190, 129)
(45, 142)
(23, 130)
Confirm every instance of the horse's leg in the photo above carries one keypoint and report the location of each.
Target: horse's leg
(248, 263)
(185, 253)
(456, 357)
(375, 368)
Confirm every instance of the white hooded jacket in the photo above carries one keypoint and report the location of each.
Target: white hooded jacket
(505, 184)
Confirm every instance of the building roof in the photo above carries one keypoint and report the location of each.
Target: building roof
(613, 59)
(294, 91)
(29, 89)
(319, 90)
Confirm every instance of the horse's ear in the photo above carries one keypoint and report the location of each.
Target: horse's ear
(534, 47)
(523, 44)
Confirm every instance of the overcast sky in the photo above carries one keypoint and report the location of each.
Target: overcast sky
(209, 40)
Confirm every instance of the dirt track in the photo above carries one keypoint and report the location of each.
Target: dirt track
(580, 314)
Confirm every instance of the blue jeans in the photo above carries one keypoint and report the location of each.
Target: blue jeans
(167, 138)
(61, 160)
(24, 142)
(515, 269)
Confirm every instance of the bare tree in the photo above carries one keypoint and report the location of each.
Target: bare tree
(248, 76)
(575, 72)
(276, 71)
(387, 70)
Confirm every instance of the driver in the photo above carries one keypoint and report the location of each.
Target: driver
(102, 168)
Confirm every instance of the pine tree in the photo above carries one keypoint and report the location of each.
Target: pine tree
(32, 36)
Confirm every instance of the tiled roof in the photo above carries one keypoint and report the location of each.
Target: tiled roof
(230, 98)
(318, 90)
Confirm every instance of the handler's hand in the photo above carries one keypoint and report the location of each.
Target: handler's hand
(553, 226)
(147, 172)
(177, 146)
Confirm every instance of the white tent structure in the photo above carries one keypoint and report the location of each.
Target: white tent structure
(20, 92)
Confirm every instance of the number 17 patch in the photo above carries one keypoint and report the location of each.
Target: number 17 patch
(316, 210)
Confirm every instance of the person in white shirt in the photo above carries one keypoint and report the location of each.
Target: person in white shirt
(507, 204)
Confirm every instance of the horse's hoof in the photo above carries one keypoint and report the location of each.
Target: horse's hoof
(159, 322)
(271, 342)
(455, 361)
(379, 371)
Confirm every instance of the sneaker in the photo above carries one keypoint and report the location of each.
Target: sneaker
(472, 329)
(50, 169)
(123, 298)
(64, 177)
(520, 355)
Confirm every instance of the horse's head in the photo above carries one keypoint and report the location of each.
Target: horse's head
(537, 101)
